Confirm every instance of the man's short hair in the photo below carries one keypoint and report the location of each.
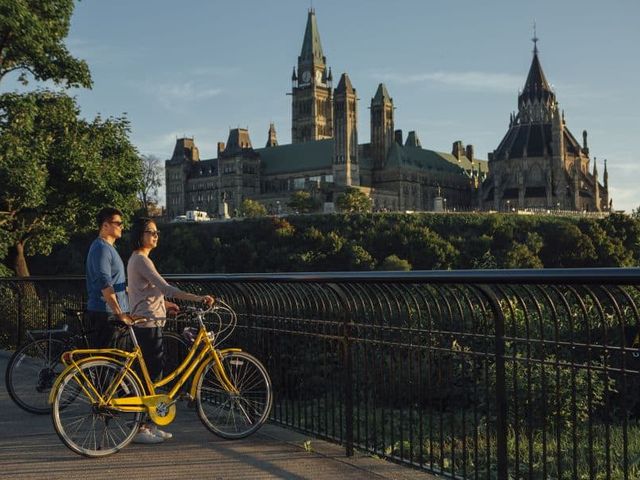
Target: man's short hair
(105, 215)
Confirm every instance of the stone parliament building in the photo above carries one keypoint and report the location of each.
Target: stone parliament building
(538, 164)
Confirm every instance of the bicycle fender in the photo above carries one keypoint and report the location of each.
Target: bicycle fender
(196, 377)
(54, 388)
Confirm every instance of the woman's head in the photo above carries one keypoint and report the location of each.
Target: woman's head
(144, 234)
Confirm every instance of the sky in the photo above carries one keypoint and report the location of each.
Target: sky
(453, 68)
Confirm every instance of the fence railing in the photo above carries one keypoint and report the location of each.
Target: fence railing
(472, 374)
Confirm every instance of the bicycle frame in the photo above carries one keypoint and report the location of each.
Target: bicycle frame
(160, 407)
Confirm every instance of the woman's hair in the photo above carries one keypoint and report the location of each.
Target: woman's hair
(140, 224)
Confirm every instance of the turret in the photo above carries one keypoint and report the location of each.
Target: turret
(345, 163)
(272, 141)
(381, 125)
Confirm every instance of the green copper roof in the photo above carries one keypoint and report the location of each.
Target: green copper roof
(422, 159)
(318, 155)
(311, 46)
(313, 155)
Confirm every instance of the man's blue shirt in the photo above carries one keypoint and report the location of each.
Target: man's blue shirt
(105, 269)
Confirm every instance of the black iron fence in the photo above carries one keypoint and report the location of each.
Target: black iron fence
(477, 374)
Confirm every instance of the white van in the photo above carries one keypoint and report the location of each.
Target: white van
(197, 216)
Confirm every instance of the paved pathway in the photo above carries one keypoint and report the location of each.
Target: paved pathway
(29, 448)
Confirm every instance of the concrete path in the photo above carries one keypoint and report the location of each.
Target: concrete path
(30, 449)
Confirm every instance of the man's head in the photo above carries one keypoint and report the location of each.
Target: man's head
(109, 222)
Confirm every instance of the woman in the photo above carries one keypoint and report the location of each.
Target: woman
(147, 291)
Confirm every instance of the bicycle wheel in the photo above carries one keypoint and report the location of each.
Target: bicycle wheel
(175, 350)
(232, 415)
(31, 371)
(85, 427)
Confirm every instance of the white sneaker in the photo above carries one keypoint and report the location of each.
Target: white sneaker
(153, 428)
(145, 435)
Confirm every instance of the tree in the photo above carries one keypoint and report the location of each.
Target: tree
(152, 171)
(252, 209)
(303, 202)
(57, 171)
(395, 263)
(31, 42)
(353, 200)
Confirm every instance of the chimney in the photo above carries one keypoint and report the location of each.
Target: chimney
(398, 136)
(457, 150)
(470, 152)
(220, 148)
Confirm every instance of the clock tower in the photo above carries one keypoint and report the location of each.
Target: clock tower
(312, 101)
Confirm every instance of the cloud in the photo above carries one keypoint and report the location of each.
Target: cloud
(172, 95)
(482, 81)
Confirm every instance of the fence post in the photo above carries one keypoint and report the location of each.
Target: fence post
(348, 387)
(348, 367)
(501, 389)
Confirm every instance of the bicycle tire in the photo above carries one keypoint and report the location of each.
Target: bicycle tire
(31, 372)
(72, 410)
(234, 416)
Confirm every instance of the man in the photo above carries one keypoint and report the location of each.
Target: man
(106, 280)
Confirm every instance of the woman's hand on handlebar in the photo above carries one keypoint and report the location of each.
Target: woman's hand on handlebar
(208, 300)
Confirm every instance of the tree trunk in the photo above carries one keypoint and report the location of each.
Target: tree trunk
(19, 262)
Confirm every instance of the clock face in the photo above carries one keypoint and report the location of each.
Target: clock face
(306, 76)
(318, 76)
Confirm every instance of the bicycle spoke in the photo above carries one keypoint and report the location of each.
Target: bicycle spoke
(81, 423)
(235, 415)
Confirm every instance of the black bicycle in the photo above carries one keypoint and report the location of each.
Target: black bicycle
(34, 366)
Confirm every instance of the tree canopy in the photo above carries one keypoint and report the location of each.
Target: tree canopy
(380, 241)
(353, 200)
(32, 34)
(252, 209)
(303, 202)
(57, 171)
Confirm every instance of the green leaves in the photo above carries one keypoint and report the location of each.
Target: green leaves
(31, 42)
(57, 170)
(252, 209)
(353, 201)
(303, 202)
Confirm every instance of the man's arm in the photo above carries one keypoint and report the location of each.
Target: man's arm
(109, 295)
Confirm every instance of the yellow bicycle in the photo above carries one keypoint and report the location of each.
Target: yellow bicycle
(100, 399)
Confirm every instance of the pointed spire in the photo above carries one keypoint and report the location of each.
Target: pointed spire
(344, 85)
(536, 84)
(381, 95)
(272, 140)
(311, 47)
(595, 167)
(330, 76)
(294, 77)
(605, 175)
